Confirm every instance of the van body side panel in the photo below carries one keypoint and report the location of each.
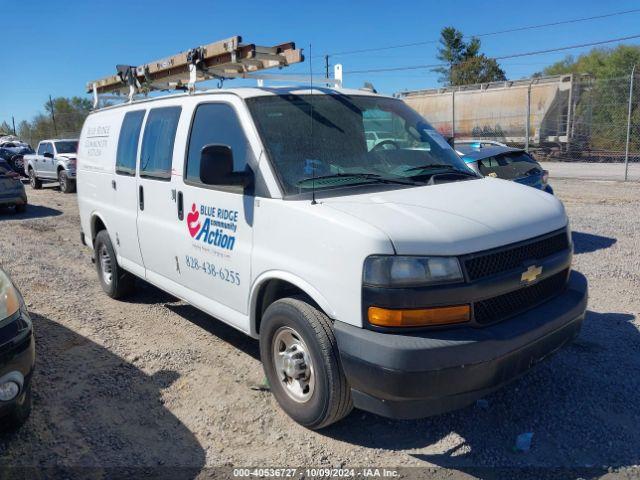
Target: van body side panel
(157, 221)
(125, 209)
(215, 236)
(95, 163)
(324, 247)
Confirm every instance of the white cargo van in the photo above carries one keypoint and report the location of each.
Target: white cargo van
(385, 276)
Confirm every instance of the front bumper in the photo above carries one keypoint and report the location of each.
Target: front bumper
(17, 356)
(431, 372)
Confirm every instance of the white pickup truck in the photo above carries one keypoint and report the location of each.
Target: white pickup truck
(54, 161)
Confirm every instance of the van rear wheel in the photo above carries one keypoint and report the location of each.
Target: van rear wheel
(116, 282)
(301, 361)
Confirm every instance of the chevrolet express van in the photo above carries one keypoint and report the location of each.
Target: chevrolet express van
(386, 276)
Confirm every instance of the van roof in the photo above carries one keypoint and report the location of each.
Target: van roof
(252, 92)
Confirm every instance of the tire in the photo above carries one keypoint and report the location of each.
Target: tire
(19, 169)
(66, 185)
(327, 396)
(21, 208)
(34, 181)
(117, 283)
(20, 413)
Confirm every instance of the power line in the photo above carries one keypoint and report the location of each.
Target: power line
(486, 34)
(502, 57)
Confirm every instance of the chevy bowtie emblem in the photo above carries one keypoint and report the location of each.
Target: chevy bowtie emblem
(531, 273)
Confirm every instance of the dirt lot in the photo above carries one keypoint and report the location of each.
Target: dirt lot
(154, 382)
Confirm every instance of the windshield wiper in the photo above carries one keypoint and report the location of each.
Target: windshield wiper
(365, 176)
(434, 166)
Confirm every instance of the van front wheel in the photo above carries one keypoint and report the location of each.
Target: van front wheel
(301, 361)
(115, 281)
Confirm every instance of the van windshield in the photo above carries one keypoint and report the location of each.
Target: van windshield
(329, 141)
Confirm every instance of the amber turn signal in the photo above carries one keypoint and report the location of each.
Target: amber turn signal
(421, 317)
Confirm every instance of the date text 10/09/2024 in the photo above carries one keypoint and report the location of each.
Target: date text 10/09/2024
(321, 472)
(209, 268)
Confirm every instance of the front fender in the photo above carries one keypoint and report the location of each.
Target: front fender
(94, 219)
(291, 278)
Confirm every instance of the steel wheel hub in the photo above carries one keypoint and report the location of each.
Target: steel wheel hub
(293, 364)
(105, 265)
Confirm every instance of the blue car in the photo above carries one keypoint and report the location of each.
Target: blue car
(494, 159)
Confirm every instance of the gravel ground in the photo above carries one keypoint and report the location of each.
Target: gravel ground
(592, 171)
(153, 382)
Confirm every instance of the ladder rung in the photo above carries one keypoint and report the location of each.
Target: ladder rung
(217, 58)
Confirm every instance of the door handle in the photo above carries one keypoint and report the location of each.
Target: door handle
(180, 206)
(113, 184)
(141, 197)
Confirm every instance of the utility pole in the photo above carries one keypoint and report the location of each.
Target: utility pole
(13, 120)
(326, 66)
(626, 150)
(453, 113)
(53, 116)
(527, 124)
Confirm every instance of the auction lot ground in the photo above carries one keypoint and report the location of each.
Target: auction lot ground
(154, 382)
(593, 171)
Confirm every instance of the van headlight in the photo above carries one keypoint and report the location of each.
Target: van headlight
(9, 297)
(403, 271)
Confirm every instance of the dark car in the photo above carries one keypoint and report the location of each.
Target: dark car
(13, 153)
(17, 356)
(493, 159)
(12, 193)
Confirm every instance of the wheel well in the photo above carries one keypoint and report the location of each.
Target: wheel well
(273, 290)
(97, 226)
(60, 167)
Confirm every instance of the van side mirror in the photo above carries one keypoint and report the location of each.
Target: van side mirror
(48, 155)
(216, 167)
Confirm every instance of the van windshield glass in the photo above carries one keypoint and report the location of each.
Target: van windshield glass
(66, 147)
(347, 140)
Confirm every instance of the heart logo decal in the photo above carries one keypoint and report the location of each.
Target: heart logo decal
(193, 221)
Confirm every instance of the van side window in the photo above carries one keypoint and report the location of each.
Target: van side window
(42, 148)
(128, 143)
(215, 123)
(157, 143)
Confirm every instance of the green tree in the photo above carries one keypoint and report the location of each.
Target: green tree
(599, 62)
(465, 63)
(601, 112)
(5, 129)
(69, 116)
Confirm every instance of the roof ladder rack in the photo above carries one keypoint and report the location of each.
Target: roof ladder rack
(224, 59)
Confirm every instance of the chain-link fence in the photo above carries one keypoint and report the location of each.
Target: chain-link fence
(590, 124)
